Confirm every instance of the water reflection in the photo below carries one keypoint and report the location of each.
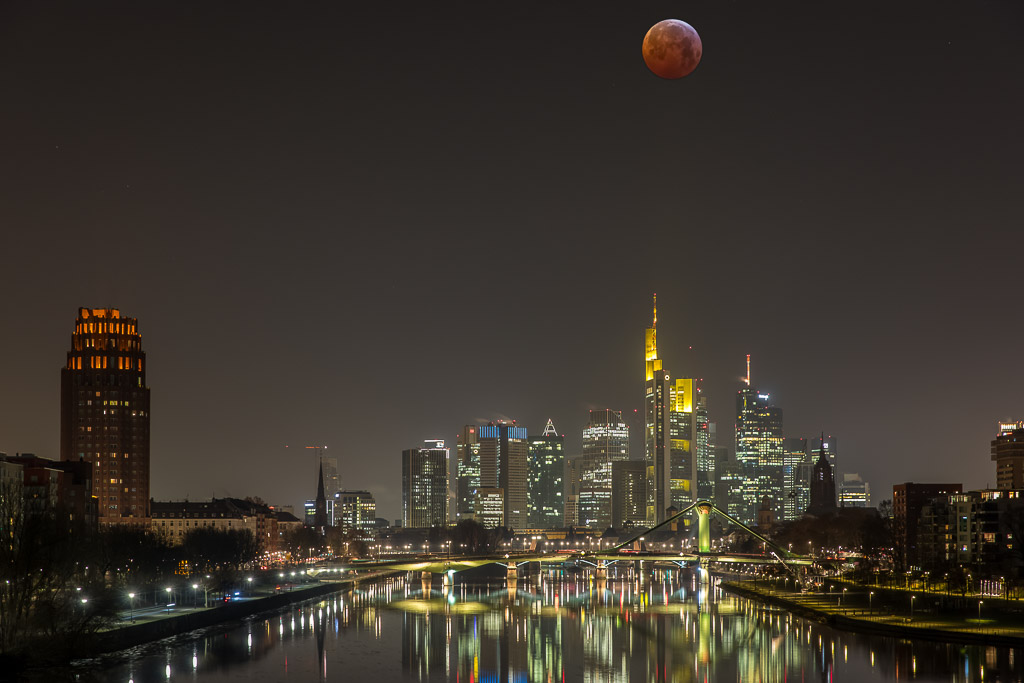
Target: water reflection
(548, 627)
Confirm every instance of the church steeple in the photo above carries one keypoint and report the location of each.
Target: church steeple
(320, 516)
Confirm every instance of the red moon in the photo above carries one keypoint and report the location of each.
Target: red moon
(672, 49)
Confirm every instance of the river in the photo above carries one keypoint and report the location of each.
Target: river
(555, 627)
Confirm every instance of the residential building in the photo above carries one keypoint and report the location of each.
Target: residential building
(105, 412)
(51, 486)
(175, 519)
(908, 500)
(1008, 453)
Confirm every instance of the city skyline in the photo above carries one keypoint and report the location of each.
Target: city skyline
(327, 244)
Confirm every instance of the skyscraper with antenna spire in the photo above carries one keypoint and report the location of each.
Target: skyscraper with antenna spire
(656, 427)
(760, 450)
(672, 430)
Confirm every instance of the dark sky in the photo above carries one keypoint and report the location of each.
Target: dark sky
(364, 228)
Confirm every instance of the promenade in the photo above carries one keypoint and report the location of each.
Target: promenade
(918, 614)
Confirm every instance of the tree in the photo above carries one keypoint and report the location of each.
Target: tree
(45, 586)
(303, 542)
(208, 549)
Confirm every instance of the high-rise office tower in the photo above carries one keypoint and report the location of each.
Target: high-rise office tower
(657, 407)
(854, 492)
(605, 441)
(547, 467)
(504, 464)
(684, 401)
(759, 450)
(467, 452)
(355, 510)
(705, 449)
(104, 412)
(629, 497)
(425, 485)
(796, 466)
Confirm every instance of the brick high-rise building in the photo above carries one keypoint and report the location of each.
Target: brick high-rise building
(104, 415)
(1008, 454)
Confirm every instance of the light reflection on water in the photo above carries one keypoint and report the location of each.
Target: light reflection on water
(547, 628)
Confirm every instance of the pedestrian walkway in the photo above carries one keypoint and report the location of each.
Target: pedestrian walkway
(856, 607)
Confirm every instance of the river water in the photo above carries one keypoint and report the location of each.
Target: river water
(549, 628)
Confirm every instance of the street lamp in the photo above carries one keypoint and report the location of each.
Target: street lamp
(167, 608)
(912, 606)
(195, 598)
(979, 608)
(870, 595)
(131, 607)
(249, 579)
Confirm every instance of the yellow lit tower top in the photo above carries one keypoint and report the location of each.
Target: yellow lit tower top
(651, 346)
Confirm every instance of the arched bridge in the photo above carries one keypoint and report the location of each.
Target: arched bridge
(633, 549)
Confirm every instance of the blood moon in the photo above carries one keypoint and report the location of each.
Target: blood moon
(672, 49)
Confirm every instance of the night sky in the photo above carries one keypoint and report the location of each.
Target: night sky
(368, 227)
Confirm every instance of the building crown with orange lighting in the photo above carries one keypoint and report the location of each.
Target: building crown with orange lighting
(105, 412)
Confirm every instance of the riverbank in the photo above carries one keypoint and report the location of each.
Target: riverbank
(160, 626)
(140, 626)
(876, 617)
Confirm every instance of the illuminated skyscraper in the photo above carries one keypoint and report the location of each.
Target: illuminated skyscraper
(605, 441)
(854, 492)
(105, 412)
(467, 452)
(657, 398)
(759, 451)
(547, 468)
(671, 432)
(705, 449)
(684, 430)
(796, 465)
(504, 464)
(425, 485)
(629, 497)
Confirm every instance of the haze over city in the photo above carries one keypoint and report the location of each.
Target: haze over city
(367, 228)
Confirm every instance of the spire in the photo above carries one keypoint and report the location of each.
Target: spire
(748, 370)
(654, 325)
(320, 511)
(549, 429)
(320, 483)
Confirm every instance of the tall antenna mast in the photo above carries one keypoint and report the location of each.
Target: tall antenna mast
(748, 369)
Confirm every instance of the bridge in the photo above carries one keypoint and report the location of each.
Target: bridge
(631, 550)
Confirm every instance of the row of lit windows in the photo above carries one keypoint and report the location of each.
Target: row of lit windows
(105, 328)
(100, 363)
